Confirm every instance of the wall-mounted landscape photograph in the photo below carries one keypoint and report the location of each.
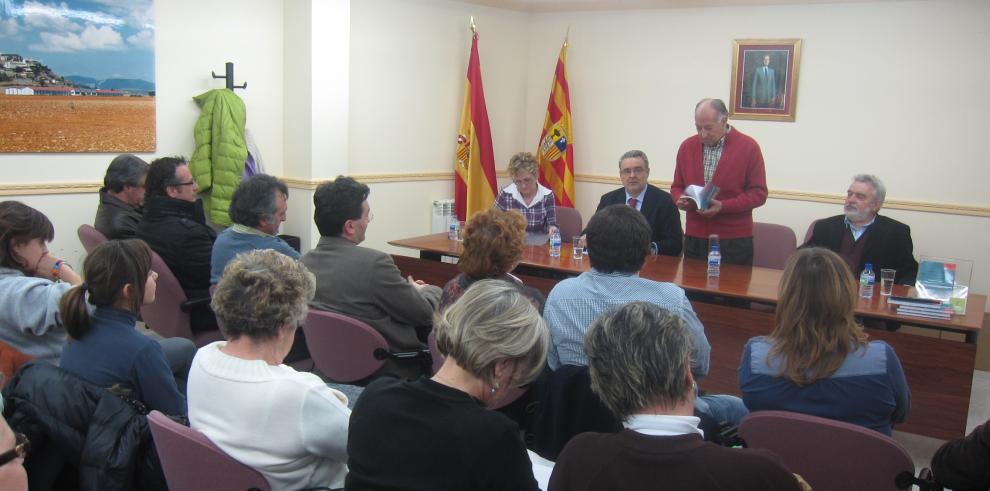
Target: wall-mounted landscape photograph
(77, 76)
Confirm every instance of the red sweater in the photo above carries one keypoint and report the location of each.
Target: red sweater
(741, 179)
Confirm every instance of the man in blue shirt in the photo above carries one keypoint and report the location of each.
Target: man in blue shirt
(618, 240)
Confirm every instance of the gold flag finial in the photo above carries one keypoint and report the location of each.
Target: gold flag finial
(567, 34)
(474, 28)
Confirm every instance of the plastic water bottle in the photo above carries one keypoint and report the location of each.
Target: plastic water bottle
(714, 261)
(555, 244)
(866, 280)
(454, 233)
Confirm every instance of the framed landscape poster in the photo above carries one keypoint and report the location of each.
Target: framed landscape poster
(77, 76)
(765, 79)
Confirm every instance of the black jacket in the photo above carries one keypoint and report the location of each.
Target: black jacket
(888, 245)
(177, 231)
(116, 219)
(74, 424)
(660, 211)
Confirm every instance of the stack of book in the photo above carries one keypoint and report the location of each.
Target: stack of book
(921, 307)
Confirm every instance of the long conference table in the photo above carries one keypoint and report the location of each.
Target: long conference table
(939, 369)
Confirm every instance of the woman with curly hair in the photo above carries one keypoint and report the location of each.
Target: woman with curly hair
(527, 196)
(493, 246)
(286, 424)
(817, 360)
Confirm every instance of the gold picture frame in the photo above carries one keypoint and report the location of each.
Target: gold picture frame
(765, 79)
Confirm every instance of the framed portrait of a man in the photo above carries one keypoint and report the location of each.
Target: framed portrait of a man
(765, 79)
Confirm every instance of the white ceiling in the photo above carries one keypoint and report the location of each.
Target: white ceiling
(585, 5)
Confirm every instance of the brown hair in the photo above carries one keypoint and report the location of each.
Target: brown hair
(19, 224)
(493, 243)
(523, 162)
(110, 267)
(814, 328)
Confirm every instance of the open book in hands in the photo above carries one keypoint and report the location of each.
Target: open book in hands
(702, 196)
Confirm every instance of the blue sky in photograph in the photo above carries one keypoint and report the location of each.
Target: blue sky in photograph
(100, 39)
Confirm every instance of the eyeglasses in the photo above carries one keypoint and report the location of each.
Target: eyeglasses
(190, 183)
(632, 170)
(20, 450)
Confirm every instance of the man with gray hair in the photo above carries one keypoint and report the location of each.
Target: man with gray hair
(257, 208)
(121, 197)
(639, 359)
(722, 155)
(654, 203)
(860, 235)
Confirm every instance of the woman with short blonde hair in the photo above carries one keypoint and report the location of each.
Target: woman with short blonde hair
(817, 360)
(438, 431)
(527, 195)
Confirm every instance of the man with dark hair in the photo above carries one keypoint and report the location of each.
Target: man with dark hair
(654, 398)
(121, 197)
(654, 203)
(723, 155)
(618, 240)
(257, 208)
(174, 226)
(364, 283)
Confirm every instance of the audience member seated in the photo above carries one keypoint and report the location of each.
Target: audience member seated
(32, 282)
(527, 196)
(257, 209)
(104, 348)
(365, 283)
(13, 449)
(175, 227)
(654, 203)
(661, 446)
(286, 424)
(965, 463)
(862, 236)
(618, 239)
(121, 197)
(439, 433)
(493, 245)
(817, 360)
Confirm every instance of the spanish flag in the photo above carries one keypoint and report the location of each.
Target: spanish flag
(555, 151)
(474, 180)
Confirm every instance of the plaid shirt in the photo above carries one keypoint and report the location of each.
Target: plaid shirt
(712, 155)
(540, 215)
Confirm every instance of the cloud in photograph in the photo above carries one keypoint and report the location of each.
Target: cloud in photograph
(142, 40)
(92, 38)
(9, 28)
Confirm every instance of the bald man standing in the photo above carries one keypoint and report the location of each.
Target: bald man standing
(731, 160)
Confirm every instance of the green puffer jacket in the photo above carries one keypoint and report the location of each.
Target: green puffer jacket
(217, 164)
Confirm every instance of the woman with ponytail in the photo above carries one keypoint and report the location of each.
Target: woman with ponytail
(104, 348)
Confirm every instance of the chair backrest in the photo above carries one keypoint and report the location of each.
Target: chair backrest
(772, 245)
(811, 230)
(90, 237)
(828, 454)
(569, 222)
(192, 462)
(164, 315)
(342, 347)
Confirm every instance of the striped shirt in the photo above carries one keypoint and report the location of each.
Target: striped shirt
(576, 302)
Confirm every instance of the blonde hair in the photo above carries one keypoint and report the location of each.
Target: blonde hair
(491, 322)
(523, 162)
(814, 328)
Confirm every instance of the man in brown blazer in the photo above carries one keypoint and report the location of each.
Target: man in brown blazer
(364, 283)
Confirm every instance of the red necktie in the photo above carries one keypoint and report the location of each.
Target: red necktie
(633, 202)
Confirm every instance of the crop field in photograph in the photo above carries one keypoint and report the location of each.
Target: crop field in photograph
(35, 123)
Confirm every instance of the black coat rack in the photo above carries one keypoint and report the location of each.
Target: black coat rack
(229, 77)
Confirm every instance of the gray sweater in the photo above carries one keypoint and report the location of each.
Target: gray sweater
(29, 318)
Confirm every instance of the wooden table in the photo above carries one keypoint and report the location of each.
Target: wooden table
(939, 371)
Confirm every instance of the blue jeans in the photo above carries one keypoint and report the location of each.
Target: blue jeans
(723, 408)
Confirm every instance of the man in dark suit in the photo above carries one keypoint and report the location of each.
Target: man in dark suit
(862, 236)
(654, 203)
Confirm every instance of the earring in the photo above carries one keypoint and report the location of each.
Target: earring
(494, 388)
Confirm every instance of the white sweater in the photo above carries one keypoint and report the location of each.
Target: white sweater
(286, 424)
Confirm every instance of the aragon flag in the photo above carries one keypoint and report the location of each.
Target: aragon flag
(474, 170)
(555, 151)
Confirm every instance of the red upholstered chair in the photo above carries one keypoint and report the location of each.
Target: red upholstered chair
(168, 315)
(811, 230)
(569, 222)
(90, 237)
(830, 454)
(347, 350)
(192, 462)
(772, 245)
